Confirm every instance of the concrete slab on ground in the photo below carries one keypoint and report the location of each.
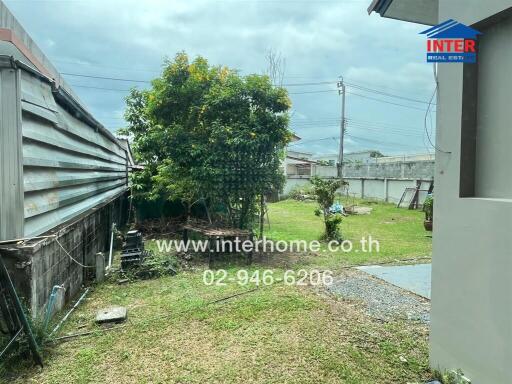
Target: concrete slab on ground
(111, 315)
(382, 300)
(414, 278)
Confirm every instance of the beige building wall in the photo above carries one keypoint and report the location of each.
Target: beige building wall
(472, 259)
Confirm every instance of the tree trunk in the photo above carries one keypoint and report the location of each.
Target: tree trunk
(189, 210)
(262, 214)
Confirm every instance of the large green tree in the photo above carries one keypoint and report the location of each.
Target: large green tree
(206, 133)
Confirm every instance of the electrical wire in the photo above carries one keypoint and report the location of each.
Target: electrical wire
(100, 88)
(380, 141)
(105, 78)
(315, 140)
(386, 93)
(353, 85)
(385, 101)
(308, 92)
(71, 257)
(427, 113)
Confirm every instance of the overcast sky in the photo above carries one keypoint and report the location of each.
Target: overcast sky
(320, 39)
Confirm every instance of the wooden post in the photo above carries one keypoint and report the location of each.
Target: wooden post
(262, 214)
(100, 268)
(250, 253)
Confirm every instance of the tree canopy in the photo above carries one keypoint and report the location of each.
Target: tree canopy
(207, 133)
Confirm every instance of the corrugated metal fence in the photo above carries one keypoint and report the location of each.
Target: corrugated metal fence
(68, 167)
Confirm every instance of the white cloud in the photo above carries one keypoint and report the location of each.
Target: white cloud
(320, 40)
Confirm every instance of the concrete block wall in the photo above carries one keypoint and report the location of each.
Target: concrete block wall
(40, 265)
(400, 169)
(388, 190)
(385, 189)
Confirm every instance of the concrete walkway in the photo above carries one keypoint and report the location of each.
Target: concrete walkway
(414, 278)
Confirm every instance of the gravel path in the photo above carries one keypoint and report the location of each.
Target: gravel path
(382, 300)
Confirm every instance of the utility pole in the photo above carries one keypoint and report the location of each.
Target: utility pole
(341, 91)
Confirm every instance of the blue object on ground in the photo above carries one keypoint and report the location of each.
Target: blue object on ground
(415, 278)
(336, 208)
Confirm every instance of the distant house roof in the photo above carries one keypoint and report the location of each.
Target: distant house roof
(296, 153)
(416, 11)
(325, 155)
(295, 138)
(366, 151)
(299, 160)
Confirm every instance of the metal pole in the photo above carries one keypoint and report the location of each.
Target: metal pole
(110, 254)
(341, 91)
(21, 314)
(69, 312)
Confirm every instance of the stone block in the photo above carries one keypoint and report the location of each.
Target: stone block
(111, 315)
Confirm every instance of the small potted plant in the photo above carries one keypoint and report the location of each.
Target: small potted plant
(428, 208)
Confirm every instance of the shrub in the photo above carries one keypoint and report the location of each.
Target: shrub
(428, 207)
(325, 191)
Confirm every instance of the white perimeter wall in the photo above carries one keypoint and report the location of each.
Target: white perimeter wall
(389, 190)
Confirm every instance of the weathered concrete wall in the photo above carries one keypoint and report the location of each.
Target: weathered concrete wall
(294, 182)
(399, 169)
(41, 264)
(389, 190)
(380, 188)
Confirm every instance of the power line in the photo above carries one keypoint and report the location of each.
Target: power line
(100, 88)
(387, 94)
(385, 101)
(306, 92)
(370, 129)
(381, 142)
(149, 82)
(351, 120)
(306, 84)
(155, 71)
(383, 124)
(353, 85)
(312, 141)
(356, 138)
(105, 78)
(387, 131)
(96, 65)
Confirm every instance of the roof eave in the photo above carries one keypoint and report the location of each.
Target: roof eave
(414, 11)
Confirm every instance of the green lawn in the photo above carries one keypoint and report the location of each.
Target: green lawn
(399, 231)
(279, 333)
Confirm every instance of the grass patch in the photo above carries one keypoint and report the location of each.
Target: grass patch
(177, 333)
(399, 232)
(276, 334)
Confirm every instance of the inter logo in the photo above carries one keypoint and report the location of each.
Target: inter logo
(451, 42)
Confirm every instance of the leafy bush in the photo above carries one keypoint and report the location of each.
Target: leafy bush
(298, 193)
(325, 192)
(451, 377)
(428, 207)
(332, 227)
